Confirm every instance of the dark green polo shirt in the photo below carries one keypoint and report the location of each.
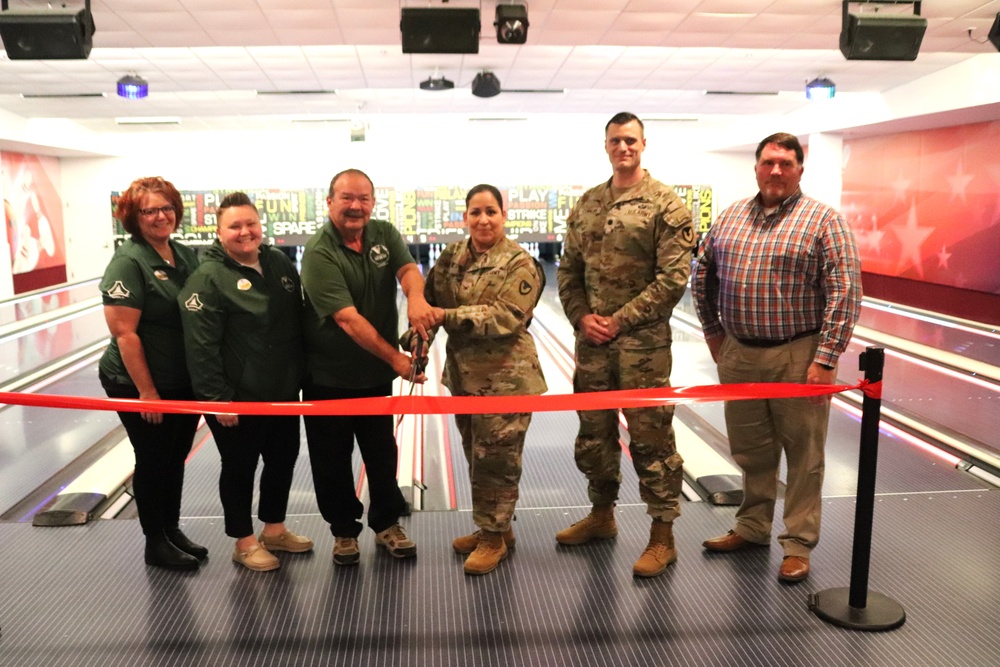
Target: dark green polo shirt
(137, 277)
(335, 277)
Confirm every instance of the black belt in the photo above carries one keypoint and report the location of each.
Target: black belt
(771, 342)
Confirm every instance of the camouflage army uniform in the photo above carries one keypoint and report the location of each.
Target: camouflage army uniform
(629, 258)
(488, 300)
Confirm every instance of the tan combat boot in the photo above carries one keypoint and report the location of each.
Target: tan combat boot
(488, 554)
(598, 525)
(466, 544)
(659, 552)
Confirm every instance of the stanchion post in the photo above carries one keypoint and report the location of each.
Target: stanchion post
(856, 607)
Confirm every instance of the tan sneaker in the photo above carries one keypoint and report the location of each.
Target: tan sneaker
(286, 541)
(598, 525)
(256, 558)
(345, 551)
(488, 554)
(396, 542)
(468, 543)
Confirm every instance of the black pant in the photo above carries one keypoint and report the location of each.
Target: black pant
(273, 439)
(331, 443)
(160, 452)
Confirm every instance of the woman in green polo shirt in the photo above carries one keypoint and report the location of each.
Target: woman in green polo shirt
(145, 359)
(242, 315)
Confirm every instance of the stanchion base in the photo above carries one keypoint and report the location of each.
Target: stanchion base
(881, 612)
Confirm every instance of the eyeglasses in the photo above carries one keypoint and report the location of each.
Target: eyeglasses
(153, 212)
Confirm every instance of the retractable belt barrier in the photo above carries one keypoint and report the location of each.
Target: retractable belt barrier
(411, 405)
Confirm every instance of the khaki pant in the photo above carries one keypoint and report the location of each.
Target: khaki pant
(760, 430)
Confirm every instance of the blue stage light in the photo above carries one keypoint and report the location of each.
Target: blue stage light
(132, 87)
(820, 89)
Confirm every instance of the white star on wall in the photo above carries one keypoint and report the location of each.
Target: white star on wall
(959, 181)
(900, 188)
(943, 257)
(911, 236)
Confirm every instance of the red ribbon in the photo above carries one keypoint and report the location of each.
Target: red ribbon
(871, 389)
(443, 405)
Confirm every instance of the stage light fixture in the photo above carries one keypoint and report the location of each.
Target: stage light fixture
(436, 82)
(875, 36)
(47, 34)
(486, 84)
(512, 23)
(132, 87)
(820, 89)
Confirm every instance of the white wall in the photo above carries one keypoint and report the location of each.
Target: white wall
(823, 178)
(402, 152)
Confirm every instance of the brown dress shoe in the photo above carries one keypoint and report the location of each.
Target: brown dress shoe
(794, 569)
(731, 541)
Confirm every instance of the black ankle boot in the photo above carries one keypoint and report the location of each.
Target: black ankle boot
(181, 541)
(160, 552)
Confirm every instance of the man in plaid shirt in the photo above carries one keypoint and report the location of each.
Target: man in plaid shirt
(778, 291)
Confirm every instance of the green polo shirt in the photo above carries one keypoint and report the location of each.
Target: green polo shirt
(139, 278)
(335, 277)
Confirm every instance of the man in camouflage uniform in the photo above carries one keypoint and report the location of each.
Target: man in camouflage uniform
(625, 264)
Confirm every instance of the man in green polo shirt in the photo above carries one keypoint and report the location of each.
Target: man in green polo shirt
(349, 273)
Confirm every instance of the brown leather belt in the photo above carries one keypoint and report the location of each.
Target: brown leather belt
(770, 342)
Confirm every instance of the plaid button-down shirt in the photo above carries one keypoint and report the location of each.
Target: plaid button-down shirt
(775, 276)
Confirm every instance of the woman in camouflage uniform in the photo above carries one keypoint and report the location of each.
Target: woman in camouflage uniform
(483, 291)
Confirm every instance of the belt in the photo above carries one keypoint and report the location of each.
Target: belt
(771, 342)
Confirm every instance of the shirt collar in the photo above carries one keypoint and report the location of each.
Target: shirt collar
(787, 203)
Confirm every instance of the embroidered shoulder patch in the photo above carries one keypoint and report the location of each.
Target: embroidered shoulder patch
(193, 303)
(119, 291)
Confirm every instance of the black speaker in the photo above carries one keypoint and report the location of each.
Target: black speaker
(440, 30)
(486, 84)
(995, 32)
(885, 37)
(47, 34)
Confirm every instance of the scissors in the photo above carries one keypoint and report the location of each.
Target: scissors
(416, 368)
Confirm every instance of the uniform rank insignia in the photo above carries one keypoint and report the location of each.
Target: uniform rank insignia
(193, 303)
(525, 287)
(287, 283)
(243, 284)
(161, 274)
(119, 291)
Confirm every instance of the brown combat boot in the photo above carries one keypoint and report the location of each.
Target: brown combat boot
(488, 554)
(659, 552)
(598, 525)
(468, 543)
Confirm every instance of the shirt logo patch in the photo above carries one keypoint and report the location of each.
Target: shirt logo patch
(161, 274)
(243, 284)
(119, 291)
(379, 255)
(525, 287)
(193, 303)
(287, 283)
